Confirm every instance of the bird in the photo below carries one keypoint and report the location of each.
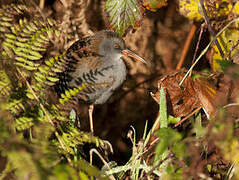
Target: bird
(95, 61)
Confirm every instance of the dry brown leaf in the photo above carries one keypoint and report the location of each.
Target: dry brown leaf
(196, 91)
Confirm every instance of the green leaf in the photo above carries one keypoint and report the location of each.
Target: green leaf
(72, 117)
(224, 64)
(30, 68)
(10, 36)
(168, 137)
(30, 95)
(173, 120)
(198, 128)
(83, 176)
(52, 79)
(91, 170)
(163, 110)
(62, 172)
(124, 14)
(179, 149)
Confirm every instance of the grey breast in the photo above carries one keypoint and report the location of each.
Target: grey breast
(101, 82)
(115, 75)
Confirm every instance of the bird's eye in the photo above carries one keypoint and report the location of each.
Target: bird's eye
(116, 46)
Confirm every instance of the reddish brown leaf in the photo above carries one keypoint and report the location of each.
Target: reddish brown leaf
(193, 94)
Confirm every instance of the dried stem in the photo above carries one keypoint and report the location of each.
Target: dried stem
(42, 4)
(186, 46)
(188, 116)
(206, 18)
(198, 42)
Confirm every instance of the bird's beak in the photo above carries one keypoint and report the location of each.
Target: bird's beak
(129, 53)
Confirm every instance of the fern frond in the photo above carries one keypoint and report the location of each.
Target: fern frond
(23, 123)
(73, 137)
(15, 106)
(46, 76)
(25, 37)
(5, 84)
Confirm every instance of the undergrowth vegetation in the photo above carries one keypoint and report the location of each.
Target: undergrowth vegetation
(187, 128)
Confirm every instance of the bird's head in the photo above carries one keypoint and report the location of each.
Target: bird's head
(112, 45)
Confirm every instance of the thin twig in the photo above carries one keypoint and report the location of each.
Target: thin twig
(109, 145)
(42, 4)
(198, 42)
(232, 104)
(206, 18)
(186, 46)
(102, 159)
(188, 116)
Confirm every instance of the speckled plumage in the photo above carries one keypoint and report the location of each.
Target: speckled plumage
(96, 62)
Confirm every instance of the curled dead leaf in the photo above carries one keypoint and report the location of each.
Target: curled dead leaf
(196, 91)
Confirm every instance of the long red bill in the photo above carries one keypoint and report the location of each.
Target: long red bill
(129, 53)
